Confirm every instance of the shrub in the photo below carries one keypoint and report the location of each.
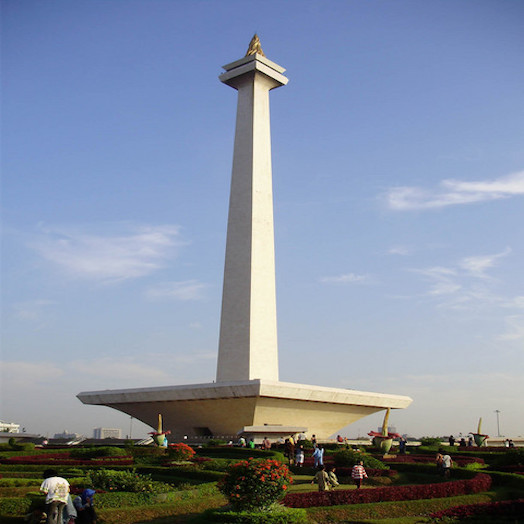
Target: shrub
(89, 453)
(111, 480)
(348, 457)
(478, 484)
(430, 441)
(255, 484)
(180, 452)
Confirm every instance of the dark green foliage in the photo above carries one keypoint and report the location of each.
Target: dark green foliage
(278, 515)
(215, 442)
(348, 457)
(96, 452)
(178, 472)
(239, 453)
(112, 480)
(430, 441)
(14, 506)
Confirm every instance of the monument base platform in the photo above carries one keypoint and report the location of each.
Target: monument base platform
(224, 408)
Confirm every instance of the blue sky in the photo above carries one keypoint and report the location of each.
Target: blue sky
(398, 171)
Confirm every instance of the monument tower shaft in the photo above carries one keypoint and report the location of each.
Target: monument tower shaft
(248, 346)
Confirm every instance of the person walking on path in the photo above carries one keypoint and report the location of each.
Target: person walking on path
(56, 490)
(438, 462)
(446, 465)
(358, 473)
(266, 444)
(299, 457)
(318, 456)
(333, 480)
(322, 479)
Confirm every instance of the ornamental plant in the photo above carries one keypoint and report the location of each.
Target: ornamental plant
(180, 451)
(255, 484)
(113, 480)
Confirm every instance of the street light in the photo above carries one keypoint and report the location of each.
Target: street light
(497, 411)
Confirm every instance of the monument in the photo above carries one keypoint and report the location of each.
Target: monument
(247, 394)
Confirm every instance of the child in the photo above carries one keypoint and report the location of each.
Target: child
(358, 473)
(299, 458)
(84, 507)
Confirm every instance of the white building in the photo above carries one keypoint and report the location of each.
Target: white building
(9, 427)
(101, 433)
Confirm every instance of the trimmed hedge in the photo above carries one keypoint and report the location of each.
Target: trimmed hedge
(479, 483)
(63, 459)
(239, 453)
(279, 516)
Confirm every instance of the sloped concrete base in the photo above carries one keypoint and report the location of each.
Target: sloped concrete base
(224, 408)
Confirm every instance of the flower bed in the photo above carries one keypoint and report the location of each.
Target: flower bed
(505, 508)
(479, 483)
(63, 459)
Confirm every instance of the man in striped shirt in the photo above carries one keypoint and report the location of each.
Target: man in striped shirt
(358, 473)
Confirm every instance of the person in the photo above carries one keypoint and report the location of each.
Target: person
(314, 440)
(438, 462)
(69, 514)
(56, 490)
(318, 456)
(506, 443)
(511, 443)
(266, 444)
(242, 442)
(340, 439)
(299, 457)
(358, 473)
(402, 446)
(333, 480)
(462, 443)
(451, 440)
(446, 465)
(84, 507)
(470, 441)
(289, 450)
(322, 479)
(251, 444)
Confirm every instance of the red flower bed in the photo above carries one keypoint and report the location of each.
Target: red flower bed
(62, 459)
(505, 508)
(479, 483)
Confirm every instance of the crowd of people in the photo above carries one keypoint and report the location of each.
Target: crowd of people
(60, 507)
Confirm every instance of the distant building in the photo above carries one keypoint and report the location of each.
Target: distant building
(66, 435)
(101, 433)
(9, 427)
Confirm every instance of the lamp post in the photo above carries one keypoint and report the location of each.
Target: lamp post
(497, 411)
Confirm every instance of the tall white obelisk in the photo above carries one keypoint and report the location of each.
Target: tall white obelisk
(248, 328)
(247, 395)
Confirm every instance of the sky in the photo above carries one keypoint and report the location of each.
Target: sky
(398, 177)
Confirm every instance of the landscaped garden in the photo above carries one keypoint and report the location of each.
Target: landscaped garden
(217, 483)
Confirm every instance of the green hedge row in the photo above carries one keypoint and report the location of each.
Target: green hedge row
(187, 472)
(239, 453)
(279, 516)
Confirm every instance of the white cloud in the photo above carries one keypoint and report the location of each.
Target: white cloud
(478, 265)
(455, 192)
(105, 256)
(400, 250)
(515, 328)
(187, 290)
(348, 278)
